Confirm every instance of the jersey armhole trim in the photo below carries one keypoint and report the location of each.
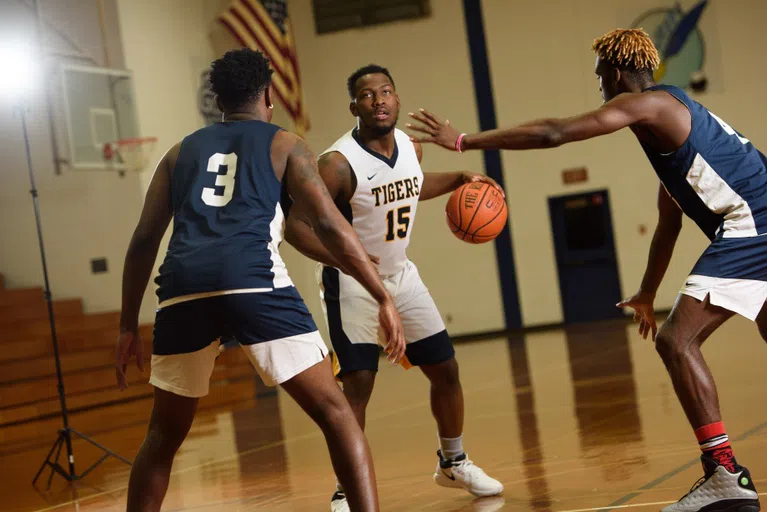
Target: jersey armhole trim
(689, 110)
(271, 164)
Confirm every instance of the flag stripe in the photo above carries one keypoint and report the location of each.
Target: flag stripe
(252, 25)
(285, 45)
(258, 38)
(287, 97)
(258, 9)
(292, 55)
(260, 28)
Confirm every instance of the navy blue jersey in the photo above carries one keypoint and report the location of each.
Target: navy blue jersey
(227, 217)
(717, 177)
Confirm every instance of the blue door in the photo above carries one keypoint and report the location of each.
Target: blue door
(584, 245)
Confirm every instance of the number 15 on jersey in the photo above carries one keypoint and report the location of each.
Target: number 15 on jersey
(403, 223)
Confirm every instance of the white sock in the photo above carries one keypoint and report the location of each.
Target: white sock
(451, 447)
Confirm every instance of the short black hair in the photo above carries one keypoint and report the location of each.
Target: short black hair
(240, 77)
(351, 83)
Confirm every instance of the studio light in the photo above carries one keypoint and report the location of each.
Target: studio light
(20, 74)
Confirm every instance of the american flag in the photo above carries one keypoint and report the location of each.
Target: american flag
(264, 25)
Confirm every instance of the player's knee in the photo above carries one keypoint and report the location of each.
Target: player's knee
(669, 346)
(358, 387)
(331, 411)
(443, 374)
(164, 440)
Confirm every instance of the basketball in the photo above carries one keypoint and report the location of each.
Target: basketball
(476, 213)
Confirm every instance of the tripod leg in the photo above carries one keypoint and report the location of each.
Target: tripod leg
(47, 460)
(56, 460)
(100, 447)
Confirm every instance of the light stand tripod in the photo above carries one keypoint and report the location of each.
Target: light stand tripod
(65, 433)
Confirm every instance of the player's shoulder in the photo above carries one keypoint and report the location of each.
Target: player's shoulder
(401, 136)
(333, 160)
(338, 173)
(651, 99)
(343, 144)
(646, 107)
(405, 142)
(285, 140)
(169, 159)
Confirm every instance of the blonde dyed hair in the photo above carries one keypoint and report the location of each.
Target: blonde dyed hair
(630, 48)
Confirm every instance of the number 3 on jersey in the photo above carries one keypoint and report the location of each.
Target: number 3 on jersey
(403, 219)
(226, 181)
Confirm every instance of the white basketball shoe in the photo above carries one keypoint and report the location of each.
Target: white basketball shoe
(462, 473)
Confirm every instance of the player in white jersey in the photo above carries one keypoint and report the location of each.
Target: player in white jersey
(374, 174)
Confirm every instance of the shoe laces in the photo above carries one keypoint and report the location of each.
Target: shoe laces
(697, 484)
(467, 465)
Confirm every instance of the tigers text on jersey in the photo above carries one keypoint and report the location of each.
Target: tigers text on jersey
(384, 203)
(227, 217)
(717, 177)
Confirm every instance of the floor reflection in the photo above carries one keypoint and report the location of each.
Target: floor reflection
(606, 404)
(530, 439)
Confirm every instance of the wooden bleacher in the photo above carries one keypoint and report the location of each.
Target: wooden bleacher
(29, 402)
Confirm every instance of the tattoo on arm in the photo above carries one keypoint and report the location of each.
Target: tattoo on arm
(337, 175)
(307, 174)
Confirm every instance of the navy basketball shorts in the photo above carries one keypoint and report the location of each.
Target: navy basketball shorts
(732, 273)
(352, 318)
(275, 329)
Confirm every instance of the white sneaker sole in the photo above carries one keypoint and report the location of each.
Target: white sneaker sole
(444, 481)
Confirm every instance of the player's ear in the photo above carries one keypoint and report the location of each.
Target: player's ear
(616, 75)
(353, 108)
(268, 97)
(218, 104)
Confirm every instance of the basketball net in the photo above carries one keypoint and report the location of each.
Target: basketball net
(131, 154)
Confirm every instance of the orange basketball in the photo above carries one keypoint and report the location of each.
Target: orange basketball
(476, 213)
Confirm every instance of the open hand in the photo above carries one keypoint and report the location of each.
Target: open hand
(644, 313)
(129, 344)
(393, 331)
(437, 131)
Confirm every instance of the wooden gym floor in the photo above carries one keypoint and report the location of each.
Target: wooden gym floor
(578, 419)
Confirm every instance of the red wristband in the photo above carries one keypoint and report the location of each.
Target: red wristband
(458, 142)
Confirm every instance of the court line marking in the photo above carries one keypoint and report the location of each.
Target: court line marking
(632, 505)
(489, 384)
(619, 503)
(228, 458)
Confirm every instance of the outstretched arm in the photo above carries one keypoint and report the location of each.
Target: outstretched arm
(621, 112)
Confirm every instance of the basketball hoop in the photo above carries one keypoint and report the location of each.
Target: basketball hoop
(129, 154)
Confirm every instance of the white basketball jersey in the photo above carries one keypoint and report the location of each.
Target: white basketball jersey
(384, 203)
